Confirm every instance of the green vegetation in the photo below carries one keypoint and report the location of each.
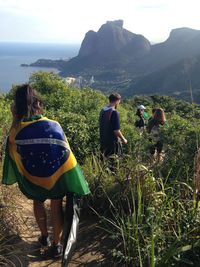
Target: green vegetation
(149, 210)
(8, 225)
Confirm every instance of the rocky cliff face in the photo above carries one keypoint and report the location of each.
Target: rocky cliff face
(112, 39)
(89, 44)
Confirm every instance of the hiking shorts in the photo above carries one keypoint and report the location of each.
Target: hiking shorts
(115, 148)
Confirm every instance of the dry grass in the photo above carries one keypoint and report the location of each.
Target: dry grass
(10, 225)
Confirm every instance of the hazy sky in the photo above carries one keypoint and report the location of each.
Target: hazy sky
(67, 21)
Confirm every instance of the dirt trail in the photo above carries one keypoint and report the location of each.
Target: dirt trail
(91, 245)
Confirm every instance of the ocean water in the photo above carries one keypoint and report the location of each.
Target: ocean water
(12, 55)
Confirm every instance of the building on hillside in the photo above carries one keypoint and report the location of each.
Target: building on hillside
(70, 80)
(79, 82)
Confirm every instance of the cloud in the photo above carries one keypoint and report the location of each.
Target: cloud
(68, 21)
(154, 6)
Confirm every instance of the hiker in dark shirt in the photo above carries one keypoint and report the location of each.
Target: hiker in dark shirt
(109, 124)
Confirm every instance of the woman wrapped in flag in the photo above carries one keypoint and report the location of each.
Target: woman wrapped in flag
(38, 157)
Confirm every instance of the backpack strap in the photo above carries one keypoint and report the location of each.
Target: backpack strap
(110, 114)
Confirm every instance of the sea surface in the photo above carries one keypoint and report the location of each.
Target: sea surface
(12, 55)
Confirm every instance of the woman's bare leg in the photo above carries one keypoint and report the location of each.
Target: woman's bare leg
(40, 216)
(57, 219)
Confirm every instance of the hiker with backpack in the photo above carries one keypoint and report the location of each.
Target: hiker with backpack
(153, 128)
(109, 125)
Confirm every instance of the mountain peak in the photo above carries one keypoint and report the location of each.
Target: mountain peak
(118, 23)
(183, 32)
(110, 39)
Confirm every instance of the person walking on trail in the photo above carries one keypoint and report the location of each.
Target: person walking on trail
(153, 128)
(38, 157)
(152, 112)
(143, 117)
(109, 125)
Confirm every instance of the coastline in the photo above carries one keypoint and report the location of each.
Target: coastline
(13, 55)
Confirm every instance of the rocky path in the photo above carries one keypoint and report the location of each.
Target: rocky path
(91, 245)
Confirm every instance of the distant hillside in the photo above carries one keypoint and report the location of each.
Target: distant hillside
(183, 43)
(175, 80)
(119, 59)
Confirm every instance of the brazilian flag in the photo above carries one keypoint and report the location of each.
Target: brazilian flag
(38, 157)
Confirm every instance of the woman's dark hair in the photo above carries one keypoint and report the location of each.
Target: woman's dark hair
(153, 110)
(27, 102)
(159, 116)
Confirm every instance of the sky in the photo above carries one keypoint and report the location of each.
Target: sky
(64, 21)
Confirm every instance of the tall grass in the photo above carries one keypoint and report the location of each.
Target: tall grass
(151, 220)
